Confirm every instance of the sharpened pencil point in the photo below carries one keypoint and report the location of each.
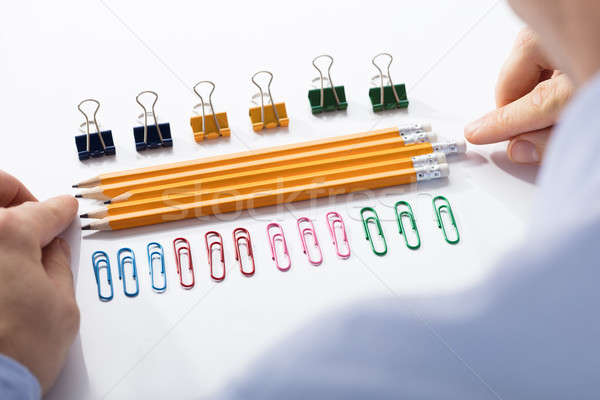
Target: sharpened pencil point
(84, 215)
(107, 201)
(86, 228)
(75, 186)
(78, 196)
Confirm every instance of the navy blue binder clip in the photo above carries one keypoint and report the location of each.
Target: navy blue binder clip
(151, 136)
(96, 144)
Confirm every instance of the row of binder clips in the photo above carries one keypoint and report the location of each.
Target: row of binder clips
(214, 247)
(404, 212)
(208, 124)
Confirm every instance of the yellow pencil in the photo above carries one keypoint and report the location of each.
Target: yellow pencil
(235, 187)
(107, 192)
(410, 133)
(268, 198)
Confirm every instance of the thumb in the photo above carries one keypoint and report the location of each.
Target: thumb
(56, 258)
(48, 218)
(529, 148)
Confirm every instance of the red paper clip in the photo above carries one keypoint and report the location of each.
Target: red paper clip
(334, 218)
(209, 250)
(241, 234)
(309, 231)
(278, 237)
(178, 252)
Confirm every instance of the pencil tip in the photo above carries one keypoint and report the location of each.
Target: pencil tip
(78, 196)
(86, 228)
(108, 202)
(75, 186)
(84, 215)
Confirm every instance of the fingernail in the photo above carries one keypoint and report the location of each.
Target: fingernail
(472, 128)
(524, 152)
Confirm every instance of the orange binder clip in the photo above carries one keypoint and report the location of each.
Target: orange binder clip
(270, 115)
(208, 126)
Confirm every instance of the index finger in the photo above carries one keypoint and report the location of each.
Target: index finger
(47, 219)
(525, 67)
(12, 191)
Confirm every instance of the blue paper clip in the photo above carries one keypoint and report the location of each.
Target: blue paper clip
(155, 251)
(151, 136)
(128, 258)
(100, 261)
(96, 144)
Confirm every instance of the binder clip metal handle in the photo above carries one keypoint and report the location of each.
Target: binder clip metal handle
(261, 94)
(202, 104)
(87, 122)
(314, 63)
(382, 76)
(146, 113)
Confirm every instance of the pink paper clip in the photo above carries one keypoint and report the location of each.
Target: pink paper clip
(181, 246)
(217, 241)
(241, 234)
(309, 231)
(333, 219)
(273, 239)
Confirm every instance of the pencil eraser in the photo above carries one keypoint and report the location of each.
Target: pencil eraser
(444, 170)
(461, 146)
(426, 127)
(431, 136)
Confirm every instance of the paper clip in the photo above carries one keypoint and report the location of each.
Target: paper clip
(387, 97)
(309, 231)
(273, 239)
(209, 250)
(155, 251)
(333, 219)
(213, 125)
(129, 257)
(241, 234)
(97, 144)
(267, 116)
(445, 207)
(100, 261)
(411, 217)
(326, 99)
(373, 219)
(151, 136)
(181, 245)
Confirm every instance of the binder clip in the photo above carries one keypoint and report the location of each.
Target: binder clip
(151, 136)
(267, 116)
(209, 126)
(390, 96)
(325, 99)
(96, 144)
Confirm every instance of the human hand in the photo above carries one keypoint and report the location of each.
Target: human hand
(530, 96)
(39, 318)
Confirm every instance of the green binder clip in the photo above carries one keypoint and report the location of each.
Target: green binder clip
(400, 216)
(445, 207)
(375, 220)
(387, 97)
(326, 99)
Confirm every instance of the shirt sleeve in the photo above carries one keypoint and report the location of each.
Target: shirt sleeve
(16, 382)
(530, 331)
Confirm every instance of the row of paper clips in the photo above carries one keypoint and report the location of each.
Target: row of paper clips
(214, 246)
(404, 211)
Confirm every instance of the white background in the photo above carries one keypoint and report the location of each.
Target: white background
(189, 344)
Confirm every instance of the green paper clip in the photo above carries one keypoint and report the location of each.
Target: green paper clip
(325, 99)
(387, 97)
(373, 219)
(411, 217)
(438, 214)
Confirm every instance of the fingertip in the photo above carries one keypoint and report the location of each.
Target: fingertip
(68, 202)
